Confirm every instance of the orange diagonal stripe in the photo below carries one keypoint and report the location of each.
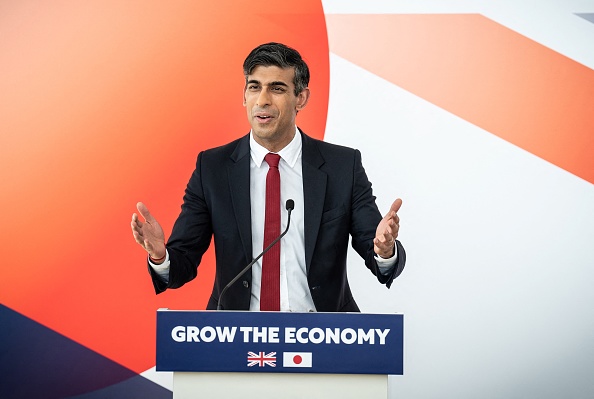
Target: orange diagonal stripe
(489, 75)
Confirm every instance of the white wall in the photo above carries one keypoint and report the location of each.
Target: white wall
(497, 292)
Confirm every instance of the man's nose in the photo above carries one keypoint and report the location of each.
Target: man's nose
(263, 98)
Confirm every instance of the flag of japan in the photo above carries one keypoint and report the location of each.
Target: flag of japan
(297, 359)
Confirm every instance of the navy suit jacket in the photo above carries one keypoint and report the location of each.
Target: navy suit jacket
(338, 203)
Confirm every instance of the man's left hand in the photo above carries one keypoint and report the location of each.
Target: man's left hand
(387, 232)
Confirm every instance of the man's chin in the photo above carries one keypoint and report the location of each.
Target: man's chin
(263, 131)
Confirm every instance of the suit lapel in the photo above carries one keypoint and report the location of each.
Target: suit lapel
(239, 187)
(314, 193)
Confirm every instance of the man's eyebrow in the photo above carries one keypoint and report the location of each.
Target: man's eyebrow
(274, 83)
(278, 83)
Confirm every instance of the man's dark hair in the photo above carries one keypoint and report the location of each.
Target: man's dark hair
(279, 55)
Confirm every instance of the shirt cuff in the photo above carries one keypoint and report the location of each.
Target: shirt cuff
(162, 270)
(385, 265)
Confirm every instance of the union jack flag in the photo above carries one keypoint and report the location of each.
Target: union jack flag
(261, 359)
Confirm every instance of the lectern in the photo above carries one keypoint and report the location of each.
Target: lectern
(225, 354)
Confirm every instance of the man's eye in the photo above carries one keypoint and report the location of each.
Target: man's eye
(252, 87)
(279, 89)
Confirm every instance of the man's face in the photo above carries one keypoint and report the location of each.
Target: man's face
(272, 105)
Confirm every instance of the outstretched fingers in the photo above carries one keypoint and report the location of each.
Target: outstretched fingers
(144, 212)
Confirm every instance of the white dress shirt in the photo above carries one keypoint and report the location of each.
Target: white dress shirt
(295, 296)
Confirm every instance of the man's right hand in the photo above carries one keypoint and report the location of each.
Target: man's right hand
(149, 233)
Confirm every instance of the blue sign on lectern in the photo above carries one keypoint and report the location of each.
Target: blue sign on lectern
(279, 342)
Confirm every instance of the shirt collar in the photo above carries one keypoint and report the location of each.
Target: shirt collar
(289, 154)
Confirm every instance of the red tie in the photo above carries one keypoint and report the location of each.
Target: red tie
(270, 287)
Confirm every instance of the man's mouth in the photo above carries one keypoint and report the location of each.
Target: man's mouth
(263, 118)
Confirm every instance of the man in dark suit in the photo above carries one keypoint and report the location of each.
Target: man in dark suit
(226, 198)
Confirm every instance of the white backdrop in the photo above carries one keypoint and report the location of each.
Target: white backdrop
(497, 292)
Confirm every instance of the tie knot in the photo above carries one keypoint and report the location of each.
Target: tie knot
(272, 160)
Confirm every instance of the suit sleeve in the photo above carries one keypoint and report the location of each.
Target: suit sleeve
(190, 237)
(364, 221)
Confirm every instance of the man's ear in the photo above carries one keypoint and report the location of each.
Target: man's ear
(302, 99)
(244, 100)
